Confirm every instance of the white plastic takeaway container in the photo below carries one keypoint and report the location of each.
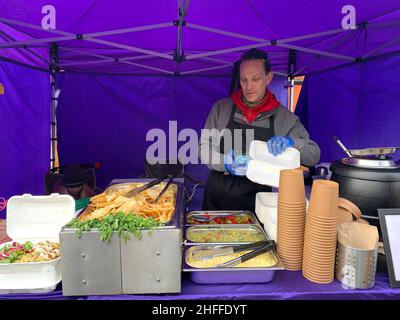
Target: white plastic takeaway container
(267, 212)
(265, 168)
(35, 219)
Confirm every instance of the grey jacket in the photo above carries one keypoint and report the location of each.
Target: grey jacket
(285, 124)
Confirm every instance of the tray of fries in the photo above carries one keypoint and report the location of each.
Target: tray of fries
(113, 200)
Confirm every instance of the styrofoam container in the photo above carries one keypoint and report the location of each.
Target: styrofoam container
(267, 212)
(289, 159)
(35, 219)
(265, 168)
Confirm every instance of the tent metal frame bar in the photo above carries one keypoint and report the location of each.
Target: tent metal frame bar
(317, 52)
(225, 33)
(104, 42)
(183, 5)
(30, 50)
(382, 46)
(102, 57)
(121, 60)
(217, 52)
(54, 101)
(88, 35)
(206, 69)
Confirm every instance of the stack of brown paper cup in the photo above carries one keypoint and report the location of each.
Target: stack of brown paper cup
(321, 232)
(291, 218)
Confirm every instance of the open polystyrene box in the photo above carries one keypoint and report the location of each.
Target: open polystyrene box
(35, 218)
(267, 212)
(265, 168)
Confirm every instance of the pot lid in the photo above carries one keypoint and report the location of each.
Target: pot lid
(371, 163)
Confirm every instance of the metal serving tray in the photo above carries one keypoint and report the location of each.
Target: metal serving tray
(222, 213)
(231, 275)
(222, 229)
(151, 264)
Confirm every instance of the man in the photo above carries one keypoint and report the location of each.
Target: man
(250, 113)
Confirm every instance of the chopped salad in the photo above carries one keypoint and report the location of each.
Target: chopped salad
(29, 252)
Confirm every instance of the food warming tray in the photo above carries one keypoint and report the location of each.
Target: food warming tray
(224, 234)
(223, 213)
(231, 275)
(151, 264)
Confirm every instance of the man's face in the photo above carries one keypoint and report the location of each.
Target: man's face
(253, 80)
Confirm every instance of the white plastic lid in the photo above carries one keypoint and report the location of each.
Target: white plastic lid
(264, 173)
(289, 159)
(37, 218)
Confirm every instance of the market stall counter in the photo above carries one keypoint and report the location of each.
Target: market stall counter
(286, 285)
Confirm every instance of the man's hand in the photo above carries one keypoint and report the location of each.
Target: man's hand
(236, 166)
(278, 144)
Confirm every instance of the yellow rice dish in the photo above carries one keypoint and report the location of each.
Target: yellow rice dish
(264, 260)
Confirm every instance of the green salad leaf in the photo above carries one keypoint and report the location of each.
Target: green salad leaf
(124, 224)
(28, 245)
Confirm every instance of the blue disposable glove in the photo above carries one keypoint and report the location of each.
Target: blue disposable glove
(236, 166)
(278, 144)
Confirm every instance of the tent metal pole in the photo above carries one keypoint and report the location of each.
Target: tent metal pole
(291, 93)
(206, 69)
(281, 74)
(318, 52)
(225, 33)
(53, 132)
(123, 60)
(180, 23)
(32, 26)
(300, 70)
(128, 30)
(148, 67)
(291, 71)
(382, 46)
(256, 39)
(313, 35)
(131, 48)
(86, 53)
(28, 49)
(216, 60)
(213, 53)
(86, 62)
(103, 58)
(383, 24)
(144, 56)
(88, 35)
(226, 61)
(107, 43)
(34, 41)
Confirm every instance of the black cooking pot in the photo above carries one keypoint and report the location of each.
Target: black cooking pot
(368, 188)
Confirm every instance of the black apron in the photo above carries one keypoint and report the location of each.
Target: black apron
(227, 192)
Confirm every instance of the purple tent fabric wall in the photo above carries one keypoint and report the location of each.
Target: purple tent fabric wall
(24, 130)
(358, 103)
(106, 118)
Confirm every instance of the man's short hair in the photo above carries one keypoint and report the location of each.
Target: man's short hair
(257, 54)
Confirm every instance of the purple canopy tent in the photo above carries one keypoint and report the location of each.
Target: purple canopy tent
(147, 61)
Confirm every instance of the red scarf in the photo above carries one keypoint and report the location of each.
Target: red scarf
(267, 104)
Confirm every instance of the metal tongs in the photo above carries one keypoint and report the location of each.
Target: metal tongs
(164, 189)
(134, 192)
(258, 248)
(248, 256)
